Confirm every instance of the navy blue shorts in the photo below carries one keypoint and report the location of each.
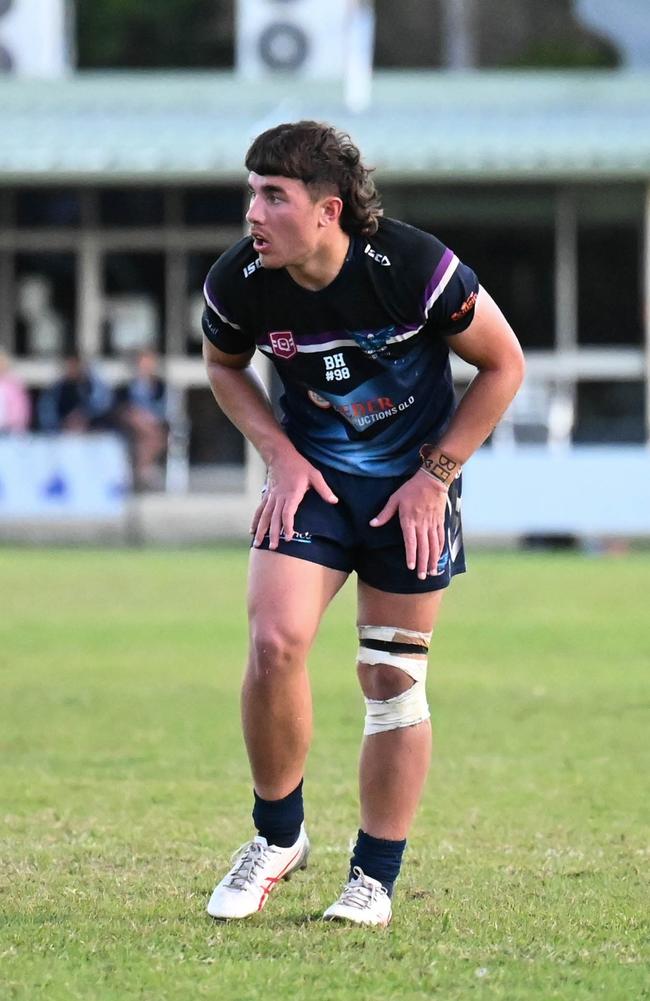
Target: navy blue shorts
(339, 536)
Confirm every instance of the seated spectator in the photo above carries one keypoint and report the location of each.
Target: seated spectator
(78, 401)
(142, 413)
(15, 404)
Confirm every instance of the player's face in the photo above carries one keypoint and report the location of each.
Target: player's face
(284, 221)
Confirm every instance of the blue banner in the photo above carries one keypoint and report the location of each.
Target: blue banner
(63, 476)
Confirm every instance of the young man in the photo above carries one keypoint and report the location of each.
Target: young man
(358, 314)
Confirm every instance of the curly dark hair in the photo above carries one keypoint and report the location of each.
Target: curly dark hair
(325, 159)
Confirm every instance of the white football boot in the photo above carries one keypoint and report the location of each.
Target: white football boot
(258, 869)
(364, 901)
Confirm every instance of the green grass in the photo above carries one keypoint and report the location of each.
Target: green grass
(124, 788)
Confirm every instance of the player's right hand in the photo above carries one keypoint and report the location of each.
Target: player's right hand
(288, 479)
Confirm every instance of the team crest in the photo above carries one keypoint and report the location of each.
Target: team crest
(283, 343)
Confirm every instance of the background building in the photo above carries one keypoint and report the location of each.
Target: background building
(118, 190)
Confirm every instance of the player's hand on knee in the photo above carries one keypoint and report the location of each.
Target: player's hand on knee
(436, 545)
(273, 515)
(288, 480)
(318, 483)
(421, 505)
(255, 520)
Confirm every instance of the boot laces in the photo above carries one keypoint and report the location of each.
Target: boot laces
(361, 892)
(250, 858)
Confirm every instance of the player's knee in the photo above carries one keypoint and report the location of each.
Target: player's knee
(381, 681)
(275, 650)
(392, 667)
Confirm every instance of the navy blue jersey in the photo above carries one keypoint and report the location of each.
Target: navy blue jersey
(363, 362)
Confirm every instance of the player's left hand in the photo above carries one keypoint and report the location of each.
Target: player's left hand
(421, 503)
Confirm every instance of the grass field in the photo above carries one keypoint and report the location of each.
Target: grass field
(124, 789)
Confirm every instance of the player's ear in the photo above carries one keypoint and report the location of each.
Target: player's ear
(331, 208)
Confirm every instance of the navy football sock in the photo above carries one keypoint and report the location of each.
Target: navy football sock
(378, 858)
(279, 820)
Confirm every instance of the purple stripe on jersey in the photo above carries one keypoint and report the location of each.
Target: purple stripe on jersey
(349, 336)
(216, 306)
(434, 281)
(325, 336)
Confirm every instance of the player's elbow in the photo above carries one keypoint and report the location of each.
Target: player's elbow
(505, 358)
(511, 369)
(508, 355)
(516, 363)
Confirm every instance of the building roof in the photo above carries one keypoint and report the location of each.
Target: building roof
(419, 126)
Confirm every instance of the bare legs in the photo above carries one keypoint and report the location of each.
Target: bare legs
(287, 598)
(394, 765)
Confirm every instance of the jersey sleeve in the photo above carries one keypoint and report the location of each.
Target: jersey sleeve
(221, 322)
(450, 295)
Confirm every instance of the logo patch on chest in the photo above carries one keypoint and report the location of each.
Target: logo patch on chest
(282, 343)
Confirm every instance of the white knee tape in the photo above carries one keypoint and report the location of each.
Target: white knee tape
(406, 709)
(406, 650)
(413, 662)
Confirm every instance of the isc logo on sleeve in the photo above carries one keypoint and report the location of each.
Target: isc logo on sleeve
(378, 258)
(251, 268)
